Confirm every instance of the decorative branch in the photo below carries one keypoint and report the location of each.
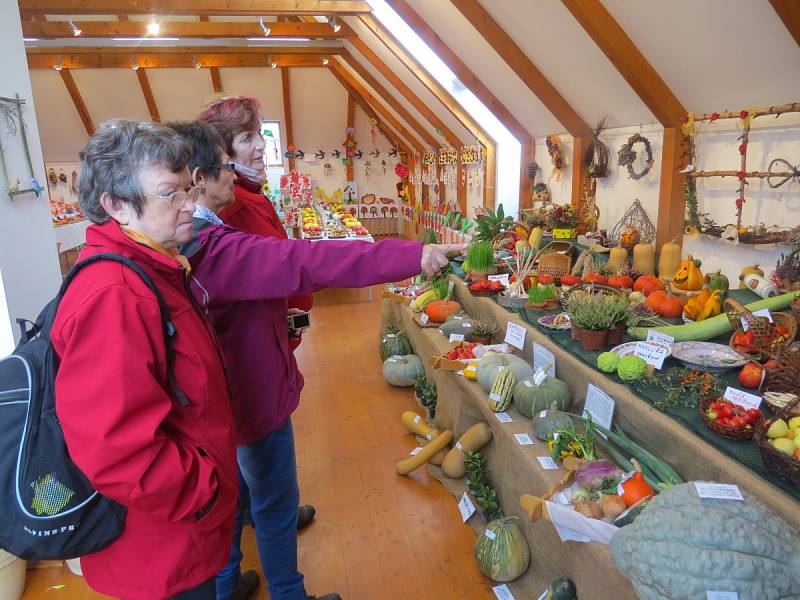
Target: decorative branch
(758, 112)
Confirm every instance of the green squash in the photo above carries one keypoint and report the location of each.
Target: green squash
(562, 588)
(531, 399)
(682, 545)
(456, 324)
(489, 368)
(502, 553)
(718, 281)
(402, 370)
(395, 343)
(553, 420)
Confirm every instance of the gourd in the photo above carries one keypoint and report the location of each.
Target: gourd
(489, 367)
(417, 425)
(643, 259)
(395, 343)
(405, 467)
(401, 371)
(630, 237)
(620, 281)
(669, 259)
(618, 258)
(751, 270)
(595, 278)
(665, 304)
(502, 552)
(717, 281)
(502, 390)
(553, 420)
(531, 399)
(473, 439)
(647, 284)
(688, 276)
(439, 310)
(562, 588)
(456, 324)
(682, 545)
(570, 279)
(535, 239)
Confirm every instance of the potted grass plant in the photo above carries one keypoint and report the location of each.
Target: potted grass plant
(593, 315)
(543, 297)
(480, 260)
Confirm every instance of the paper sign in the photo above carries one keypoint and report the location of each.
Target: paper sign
(721, 595)
(720, 491)
(652, 354)
(502, 592)
(539, 377)
(456, 337)
(515, 335)
(544, 359)
(416, 451)
(489, 533)
(743, 399)
(466, 507)
(600, 405)
(547, 463)
(543, 414)
(501, 278)
(660, 338)
(423, 318)
(503, 417)
(523, 439)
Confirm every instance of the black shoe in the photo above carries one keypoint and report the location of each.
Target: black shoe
(248, 585)
(305, 515)
(333, 596)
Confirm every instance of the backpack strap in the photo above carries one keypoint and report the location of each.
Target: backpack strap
(45, 321)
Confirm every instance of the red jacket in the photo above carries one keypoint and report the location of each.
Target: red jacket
(172, 466)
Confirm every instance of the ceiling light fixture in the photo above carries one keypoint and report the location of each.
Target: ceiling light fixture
(195, 64)
(30, 39)
(325, 59)
(278, 39)
(264, 27)
(75, 31)
(59, 65)
(153, 27)
(272, 62)
(134, 64)
(335, 25)
(145, 39)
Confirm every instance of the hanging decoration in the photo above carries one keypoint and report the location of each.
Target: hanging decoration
(350, 146)
(626, 157)
(319, 154)
(472, 163)
(595, 158)
(448, 159)
(367, 168)
(429, 168)
(556, 156)
(383, 167)
(327, 170)
(373, 122)
(375, 153)
(401, 170)
(636, 216)
(415, 174)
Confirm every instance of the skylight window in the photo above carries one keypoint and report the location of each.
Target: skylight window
(509, 149)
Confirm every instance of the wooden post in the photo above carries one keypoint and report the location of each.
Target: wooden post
(351, 122)
(72, 89)
(216, 80)
(526, 157)
(579, 179)
(671, 202)
(149, 99)
(489, 192)
(287, 112)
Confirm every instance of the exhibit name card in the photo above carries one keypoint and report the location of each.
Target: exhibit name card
(502, 592)
(651, 353)
(721, 595)
(544, 359)
(466, 507)
(660, 338)
(539, 377)
(718, 491)
(503, 417)
(523, 439)
(501, 278)
(423, 318)
(599, 405)
(742, 398)
(456, 337)
(515, 335)
(547, 463)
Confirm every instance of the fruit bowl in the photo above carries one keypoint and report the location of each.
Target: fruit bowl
(784, 466)
(714, 407)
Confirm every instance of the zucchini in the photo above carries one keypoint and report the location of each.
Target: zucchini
(713, 327)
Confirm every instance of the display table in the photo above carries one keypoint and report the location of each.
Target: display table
(515, 471)
(71, 235)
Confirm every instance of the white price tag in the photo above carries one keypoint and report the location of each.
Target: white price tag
(600, 405)
(544, 359)
(495, 397)
(544, 595)
(721, 595)
(547, 463)
(651, 353)
(417, 418)
(743, 399)
(501, 278)
(502, 592)
(456, 337)
(423, 318)
(458, 446)
(450, 285)
(764, 312)
(489, 533)
(416, 451)
(523, 439)
(515, 335)
(539, 377)
(466, 507)
(543, 414)
(720, 491)
(390, 335)
(528, 383)
(503, 417)
(660, 338)
(467, 324)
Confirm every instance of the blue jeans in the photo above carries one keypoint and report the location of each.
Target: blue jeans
(268, 470)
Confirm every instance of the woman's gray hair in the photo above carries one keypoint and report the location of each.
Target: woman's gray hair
(114, 157)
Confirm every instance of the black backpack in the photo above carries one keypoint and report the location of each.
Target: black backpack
(49, 508)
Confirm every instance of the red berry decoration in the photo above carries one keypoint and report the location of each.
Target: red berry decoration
(742, 148)
(685, 119)
(714, 116)
(743, 114)
(739, 202)
(740, 175)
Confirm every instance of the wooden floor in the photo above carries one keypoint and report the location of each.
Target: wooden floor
(377, 536)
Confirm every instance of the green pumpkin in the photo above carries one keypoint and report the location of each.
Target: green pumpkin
(718, 281)
(402, 370)
(456, 324)
(562, 588)
(395, 343)
(502, 553)
(531, 399)
(489, 368)
(553, 420)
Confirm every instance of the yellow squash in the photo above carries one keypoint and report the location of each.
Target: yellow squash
(688, 277)
(704, 305)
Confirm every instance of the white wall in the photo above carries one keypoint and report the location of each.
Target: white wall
(29, 269)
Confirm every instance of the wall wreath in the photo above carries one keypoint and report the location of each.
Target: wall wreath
(627, 156)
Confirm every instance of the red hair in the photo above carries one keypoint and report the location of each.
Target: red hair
(232, 115)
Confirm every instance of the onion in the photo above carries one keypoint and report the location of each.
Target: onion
(589, 509)
(613, 506)
(590, 475)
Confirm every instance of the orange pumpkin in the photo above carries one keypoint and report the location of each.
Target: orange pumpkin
(439, 310)
(546, 279)
(647, 284)
(688, 277)
(620, 281)
(630, 237)
(569, 279)
(665, 304)
(595, 278)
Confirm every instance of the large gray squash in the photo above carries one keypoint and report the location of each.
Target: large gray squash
(682, 545)
(402, 370)
(489, 367)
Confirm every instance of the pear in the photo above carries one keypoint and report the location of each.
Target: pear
(794, 423)
(777, 429)
(784, 445)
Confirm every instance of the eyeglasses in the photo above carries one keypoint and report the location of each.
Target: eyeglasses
(177, 200)
(228, 166)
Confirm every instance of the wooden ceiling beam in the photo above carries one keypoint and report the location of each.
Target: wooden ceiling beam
(137, 50)
(789, 13)
(173, 61)
(150, 100)
(189, 29)
(195, 7)
(77, 100)
(216, 79)
(628, 60)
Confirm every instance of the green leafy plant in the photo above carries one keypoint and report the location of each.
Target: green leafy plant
(480, 256)
(490, 223)
(426, 393)
(480, 487)
(429, 237)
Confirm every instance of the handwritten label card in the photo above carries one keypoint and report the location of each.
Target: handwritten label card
(466, 507)
(660, 338)
(547, 463)
(743, 399)
(523, 439)
(423, 318)
(501, 278)
(544, 359)
(651, 353)
(600, 405)
(719, 491)
(503, 417)
(456, 337)
(515, 335)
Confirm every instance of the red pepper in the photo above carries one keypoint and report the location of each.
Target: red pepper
(636, 489)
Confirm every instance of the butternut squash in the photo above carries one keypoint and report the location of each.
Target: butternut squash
(404, 467)
(618, 258)
(669, 260)
(535, 239)
(473, 439)
(643, 259)
(415, 423)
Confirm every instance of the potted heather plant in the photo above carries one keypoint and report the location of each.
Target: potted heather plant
(592, 315)
(482, 330)
(480, 260)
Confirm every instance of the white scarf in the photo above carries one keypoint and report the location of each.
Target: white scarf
(253, 175)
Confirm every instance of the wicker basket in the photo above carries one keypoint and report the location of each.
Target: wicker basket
(484, 293)
(766, 340)
(784, 377)
(781, 465)
(796, 312)
(726, 431)
(554, 264)
(501, 238)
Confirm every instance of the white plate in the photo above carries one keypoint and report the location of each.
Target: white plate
(630, 347)
(708, 356)
(547, 321)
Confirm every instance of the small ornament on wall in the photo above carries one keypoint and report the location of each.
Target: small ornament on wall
(626, 157)
(556, 156)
